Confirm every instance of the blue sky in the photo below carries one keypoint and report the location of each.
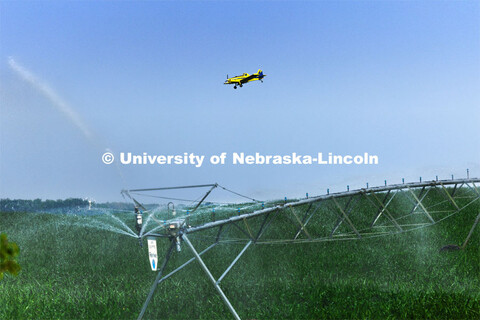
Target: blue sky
(397, 79)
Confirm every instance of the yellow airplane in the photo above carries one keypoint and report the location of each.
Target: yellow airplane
(244, 78)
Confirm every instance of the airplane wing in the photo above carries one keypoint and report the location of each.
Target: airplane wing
(233, 80)
(249, 78)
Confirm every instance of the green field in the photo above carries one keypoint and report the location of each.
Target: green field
(72, 271)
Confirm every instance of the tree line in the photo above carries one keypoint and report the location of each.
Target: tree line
(18, 205)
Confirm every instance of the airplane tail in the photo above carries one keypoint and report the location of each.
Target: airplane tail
(260, 74)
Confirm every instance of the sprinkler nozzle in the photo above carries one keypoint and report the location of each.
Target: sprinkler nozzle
(138, 220)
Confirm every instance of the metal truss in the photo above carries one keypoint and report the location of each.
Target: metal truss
(350, 215)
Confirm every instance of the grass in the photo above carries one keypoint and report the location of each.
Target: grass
(73, 272)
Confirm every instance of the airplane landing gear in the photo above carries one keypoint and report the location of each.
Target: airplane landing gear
(234, 87)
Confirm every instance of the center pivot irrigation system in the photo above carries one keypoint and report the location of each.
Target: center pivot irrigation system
(350, 215)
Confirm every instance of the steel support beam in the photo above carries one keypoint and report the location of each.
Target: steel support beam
(384, 208)
(248, 228)
(260, 233)
(381, 209)
(212, 279)
(243, 231)
(186, 264)
(350, 223)
(305, 222)
(157, 279)
(348, 208)
(475, 187)
(455, 189)
(449, 197)
(234, 261)
(421, 205)
(304, 218)
(330, 196)
(421, 197)
(262, 225)
(172, 188)
(471, 231)
(302, 226)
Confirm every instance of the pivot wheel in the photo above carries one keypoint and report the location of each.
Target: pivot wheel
(234, 87)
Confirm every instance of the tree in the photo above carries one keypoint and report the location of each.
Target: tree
(8, 253)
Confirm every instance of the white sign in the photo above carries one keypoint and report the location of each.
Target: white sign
(152, 253)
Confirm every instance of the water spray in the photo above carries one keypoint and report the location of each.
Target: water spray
(63, 107)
